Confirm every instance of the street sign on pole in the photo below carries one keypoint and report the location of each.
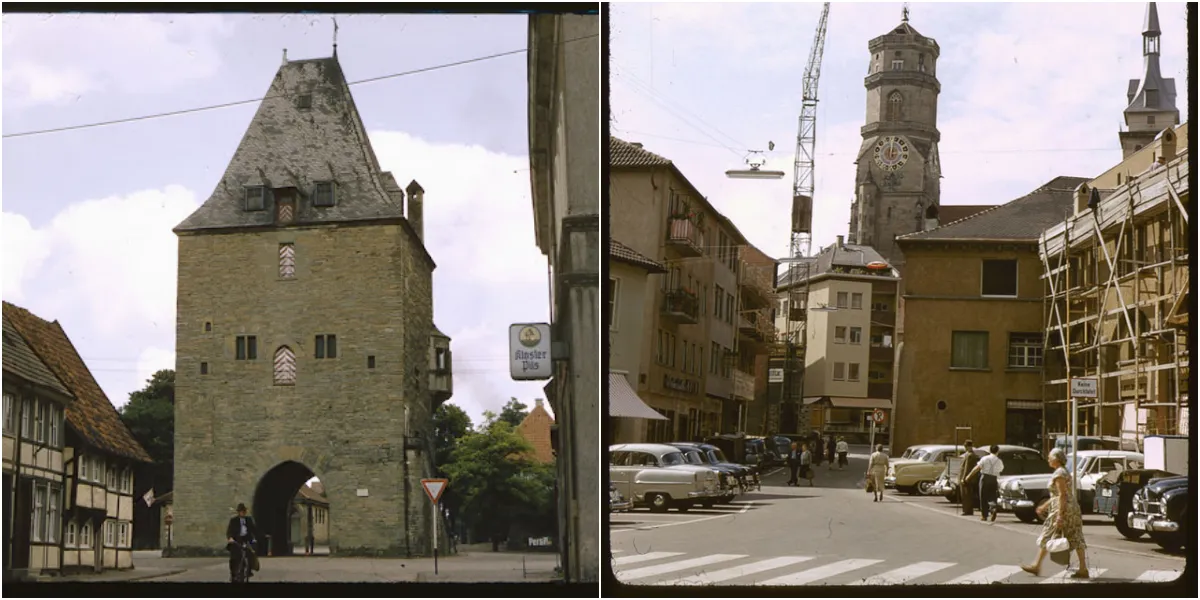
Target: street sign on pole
(879, 415)
(434, 489)
(1084, 387)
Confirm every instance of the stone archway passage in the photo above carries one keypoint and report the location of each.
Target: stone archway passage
(272, 503)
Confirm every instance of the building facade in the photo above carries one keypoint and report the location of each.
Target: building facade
(692, 319)
(310, 519)
(91, 514)
(305, 342)
(848, 339)
(34, 470)
(970, 361)
(756, 338)
(898, 181)
(564, 158)
(632, 278)
(1152, 98)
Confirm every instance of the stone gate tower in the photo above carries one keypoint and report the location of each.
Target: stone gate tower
(897, 186)
(305, 342)
(1152, 98)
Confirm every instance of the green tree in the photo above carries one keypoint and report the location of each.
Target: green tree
(450, 424)
(150, 417)
(514, 412)
(495, 477)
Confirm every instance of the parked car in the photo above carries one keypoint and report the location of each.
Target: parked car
(1023, 494)
(726, 475)
(746, 478)
(617, 502)
(1161, 509)
(1114, 496)
(659, 476)
(1085, 443)
(1018, 460)
(911, 450)
(919, 472)
(738, 449)
(758, 454)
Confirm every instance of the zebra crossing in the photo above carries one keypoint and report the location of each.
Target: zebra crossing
(665, 568)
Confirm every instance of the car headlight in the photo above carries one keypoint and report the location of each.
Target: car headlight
(1016, 486)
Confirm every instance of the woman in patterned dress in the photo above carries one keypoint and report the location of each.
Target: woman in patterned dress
(1063, 519)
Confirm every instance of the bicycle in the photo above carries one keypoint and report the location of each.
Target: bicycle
(242, 572)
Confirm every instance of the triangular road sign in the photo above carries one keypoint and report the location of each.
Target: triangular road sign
(434, 488)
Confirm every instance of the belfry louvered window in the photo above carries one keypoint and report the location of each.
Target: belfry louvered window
(287, 261)
(285, 366)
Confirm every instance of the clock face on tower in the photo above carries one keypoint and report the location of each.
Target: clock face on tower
(891, 152)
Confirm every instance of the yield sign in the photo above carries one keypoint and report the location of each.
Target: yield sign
(434, 488)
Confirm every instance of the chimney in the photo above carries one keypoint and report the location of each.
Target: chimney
(538, 403)
(1167, 145)
(841, 241)
(416, 209)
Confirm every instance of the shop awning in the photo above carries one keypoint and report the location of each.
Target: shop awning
(624, 402)
(842, 402)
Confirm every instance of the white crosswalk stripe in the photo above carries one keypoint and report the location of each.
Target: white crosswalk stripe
(904, 574)
(990, 574)
(736, 572)
(823, 572)
(1065, 576)
(1158, 576)
(647, 557)
(672, 567)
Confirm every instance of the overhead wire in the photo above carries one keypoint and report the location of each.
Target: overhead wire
(627, 74)
(254, 100)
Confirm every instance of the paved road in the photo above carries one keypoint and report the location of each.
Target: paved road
(833, 534)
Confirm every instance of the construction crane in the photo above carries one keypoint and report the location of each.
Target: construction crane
(801, 242)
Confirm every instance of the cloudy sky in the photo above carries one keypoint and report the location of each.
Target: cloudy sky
(1029, 92)
(87, 214)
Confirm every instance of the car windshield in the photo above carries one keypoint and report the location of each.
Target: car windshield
(671, 459)
(716, 455)
(923, 455)
(693, 457)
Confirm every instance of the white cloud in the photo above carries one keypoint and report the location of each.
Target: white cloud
(25, 249)
(143, 53)
(1029, 92)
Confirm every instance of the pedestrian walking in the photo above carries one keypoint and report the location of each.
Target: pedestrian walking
(1062, 529)
(989, 468)
(967, 486)
(806, 467)
(843, 449)
(830, 449)
(793, 463)
(876, 467)
(818, 450)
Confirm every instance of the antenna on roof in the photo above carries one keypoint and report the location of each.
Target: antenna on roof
(285, 56)
(335, 28)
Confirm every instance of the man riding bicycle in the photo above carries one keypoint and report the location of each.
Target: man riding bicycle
(241, 530)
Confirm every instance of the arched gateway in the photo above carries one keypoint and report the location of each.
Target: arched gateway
(305, 340)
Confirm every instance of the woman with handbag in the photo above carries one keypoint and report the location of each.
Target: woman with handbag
(1062, 530)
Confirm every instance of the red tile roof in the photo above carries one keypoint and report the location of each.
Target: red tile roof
(91, 416)
(536, 430)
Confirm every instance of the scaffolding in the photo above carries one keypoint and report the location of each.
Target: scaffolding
(1116, 309)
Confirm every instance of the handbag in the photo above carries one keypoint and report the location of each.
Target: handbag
(1057, 544)
(870, 485)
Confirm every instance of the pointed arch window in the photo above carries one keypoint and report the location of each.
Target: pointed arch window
(895, 106)
(285, 366)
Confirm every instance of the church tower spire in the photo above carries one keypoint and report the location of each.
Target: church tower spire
(1152, 98)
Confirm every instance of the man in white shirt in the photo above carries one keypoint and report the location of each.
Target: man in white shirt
(989, 468)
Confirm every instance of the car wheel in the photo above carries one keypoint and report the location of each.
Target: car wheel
(1025, 515)
(1122, 523)
(925, 488)
(658, 502)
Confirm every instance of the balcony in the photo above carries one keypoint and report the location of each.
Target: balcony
(879, 390)
(681, 306)
(743, 385)
(882, 354)
(885, 318)
(685, 237)
(757, 325)
(758, 285)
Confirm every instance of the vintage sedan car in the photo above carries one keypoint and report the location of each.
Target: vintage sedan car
(1114, 496)
(726, 475)
(617, 502)
(1161, 509)
(1018, 460)
(922, 469)
(659, 476)
(1023, 494)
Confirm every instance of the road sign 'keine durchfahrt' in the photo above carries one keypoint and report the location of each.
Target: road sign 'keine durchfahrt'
(529, 351)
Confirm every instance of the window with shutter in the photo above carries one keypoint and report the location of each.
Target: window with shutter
(9, 418)
(55, 419)
(26, 418)
(53, 520)
(287, 261)
(285, 366)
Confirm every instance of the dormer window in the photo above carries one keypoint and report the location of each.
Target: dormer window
(1151, 98)
(323, 194)
(256, 197)
(304, 101)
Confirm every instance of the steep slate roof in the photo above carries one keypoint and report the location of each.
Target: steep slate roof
(1023, 219)
(91, 416)
(20, 360)
(286, 146)
(955, 212)
(848, 255)
(625, 154)
(620, 252)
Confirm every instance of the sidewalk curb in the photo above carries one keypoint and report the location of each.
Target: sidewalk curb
(143, 577)
(1007, 527)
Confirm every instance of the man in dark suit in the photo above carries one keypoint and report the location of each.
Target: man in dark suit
(241, 529)
(966, 483)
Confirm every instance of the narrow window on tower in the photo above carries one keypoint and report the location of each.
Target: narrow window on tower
(285, 366)
(326, 346)
(287, 261)
(895, 108)
(246, 347)
(897, 65)
(921, 63)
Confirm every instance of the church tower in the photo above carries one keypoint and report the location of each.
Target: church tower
(897, 187)
(1152, 98)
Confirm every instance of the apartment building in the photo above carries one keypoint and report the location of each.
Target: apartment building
(692, 319)
(756, 336)
(847, 332)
